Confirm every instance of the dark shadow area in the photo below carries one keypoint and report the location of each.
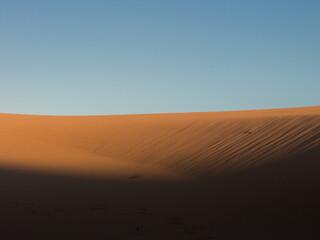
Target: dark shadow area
(276, 201)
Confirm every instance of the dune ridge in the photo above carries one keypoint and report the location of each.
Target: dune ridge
(166, 146)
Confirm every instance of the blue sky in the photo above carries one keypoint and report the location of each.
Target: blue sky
(96, 57)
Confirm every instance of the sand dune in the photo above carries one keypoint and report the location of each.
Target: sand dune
(216, 175)
(186, 145)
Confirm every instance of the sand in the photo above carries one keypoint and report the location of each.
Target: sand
(215, 175)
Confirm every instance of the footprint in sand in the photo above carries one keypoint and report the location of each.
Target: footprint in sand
(198, 227)
(142, 211)
(133, 177)
(176, 221)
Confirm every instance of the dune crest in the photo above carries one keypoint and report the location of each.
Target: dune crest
(166, 146)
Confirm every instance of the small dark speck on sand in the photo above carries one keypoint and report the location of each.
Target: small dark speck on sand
(133, 177)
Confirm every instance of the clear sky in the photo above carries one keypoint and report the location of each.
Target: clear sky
(96, 57)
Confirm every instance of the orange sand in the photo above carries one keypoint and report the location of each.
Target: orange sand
(239, 170)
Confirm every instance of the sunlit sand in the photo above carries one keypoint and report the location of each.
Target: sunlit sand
(213, 175)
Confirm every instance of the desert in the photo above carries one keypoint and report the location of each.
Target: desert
(211, 175)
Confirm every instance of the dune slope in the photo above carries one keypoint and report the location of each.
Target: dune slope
(199, 145)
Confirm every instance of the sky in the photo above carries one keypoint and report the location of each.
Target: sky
(100, 57)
